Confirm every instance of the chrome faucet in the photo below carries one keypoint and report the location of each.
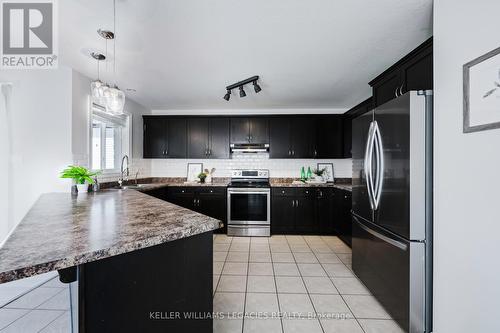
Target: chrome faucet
(123, 171)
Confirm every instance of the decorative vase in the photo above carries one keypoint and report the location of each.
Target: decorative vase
(209, 179)
(202, 180)
(82, 188)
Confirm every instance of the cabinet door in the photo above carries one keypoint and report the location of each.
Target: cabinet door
(259, 130)
(198, 137)
(213, 205)
(155, 137)
(417, 72)
(344, 223)
(282, 215)
(177, 138)
(305, 218)
(181, 196)
(279, 138)
(302, 136)
(240, 130)
(347, 133)
(219, 138)
(325, 211)
(329, 137)
(385, 90)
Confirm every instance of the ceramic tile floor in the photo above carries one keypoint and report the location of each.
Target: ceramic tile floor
(285, 284)
(37, 304)
(291, 284)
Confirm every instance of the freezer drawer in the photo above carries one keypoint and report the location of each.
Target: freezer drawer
(393, 269)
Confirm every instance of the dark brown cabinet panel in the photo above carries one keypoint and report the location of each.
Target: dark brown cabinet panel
(329, 137)
(240, 130)
(198, 137)
(412, 72)
(249, 130)
(155, 133)
(343, 225)
(302, 137)
(164, 137)
(219, 138)
(208, 137)
(279, 138)
(358, 110)
(310, 211)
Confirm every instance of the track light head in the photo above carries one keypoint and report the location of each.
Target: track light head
(256, 87)
(242, 92)
(227, 96)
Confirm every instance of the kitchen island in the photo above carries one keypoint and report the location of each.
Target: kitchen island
(136, 259)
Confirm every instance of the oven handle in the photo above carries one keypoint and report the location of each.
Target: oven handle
(249, 191)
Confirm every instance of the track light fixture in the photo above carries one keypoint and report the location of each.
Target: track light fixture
(240, 85)
(256, 87)
(242, 92)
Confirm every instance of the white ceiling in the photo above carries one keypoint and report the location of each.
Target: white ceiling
(181, 54)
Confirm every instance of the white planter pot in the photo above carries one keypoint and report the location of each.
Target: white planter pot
(82, 188)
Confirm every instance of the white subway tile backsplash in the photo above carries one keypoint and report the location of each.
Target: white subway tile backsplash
(277, 167)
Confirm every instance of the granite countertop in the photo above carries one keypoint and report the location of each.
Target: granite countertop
(62, 230)
(343, 183)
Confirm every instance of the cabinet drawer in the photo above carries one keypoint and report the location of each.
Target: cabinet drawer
(283, 191)
(212, 190)
(306, 192)
(174, 190)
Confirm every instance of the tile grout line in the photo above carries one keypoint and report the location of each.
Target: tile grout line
(246, 289)
(276, 286)
(341, 296)
(62, 314)
(309, 295)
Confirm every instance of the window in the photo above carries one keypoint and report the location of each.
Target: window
(109, 140)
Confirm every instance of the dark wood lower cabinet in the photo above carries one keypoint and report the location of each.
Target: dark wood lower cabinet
(154, 289)
(343, 227)
(311, 211)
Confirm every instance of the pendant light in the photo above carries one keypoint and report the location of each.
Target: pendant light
(97, 86)
(115, 98)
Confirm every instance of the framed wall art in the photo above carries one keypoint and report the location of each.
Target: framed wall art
(482, 93)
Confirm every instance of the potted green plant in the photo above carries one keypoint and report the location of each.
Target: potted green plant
(80, 175)
(319, 174)
(202, 176)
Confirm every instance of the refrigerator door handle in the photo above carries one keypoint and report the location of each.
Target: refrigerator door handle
(384, 238)
(368, 167)
(379, 157)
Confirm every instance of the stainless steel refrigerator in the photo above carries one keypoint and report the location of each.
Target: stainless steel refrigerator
(392, 207)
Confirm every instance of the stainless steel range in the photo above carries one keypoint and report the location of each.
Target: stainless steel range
(249, 203)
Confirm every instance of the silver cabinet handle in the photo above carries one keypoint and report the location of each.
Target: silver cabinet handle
(289, 152)
(293, 203)
(401, 90)
(297, 203)
(396, 92)
(293, 152)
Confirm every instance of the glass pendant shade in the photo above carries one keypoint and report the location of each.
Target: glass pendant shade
(115, 100)
(98, 89)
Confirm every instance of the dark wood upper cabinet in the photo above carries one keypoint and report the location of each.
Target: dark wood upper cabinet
(249, 130)
(198, 137)
(219, 138)
(177, 138)
(164, 137)
(359, 109)
(240, 130)
(259, 130)
(279, 138)
(412, 72)
(155, 137)
(302, 137)
(329, 137)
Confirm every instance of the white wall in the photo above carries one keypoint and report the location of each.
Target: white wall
(40, 118)
(467, 177)
(277, 167)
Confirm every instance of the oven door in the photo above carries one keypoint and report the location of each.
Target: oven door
(249, 206)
